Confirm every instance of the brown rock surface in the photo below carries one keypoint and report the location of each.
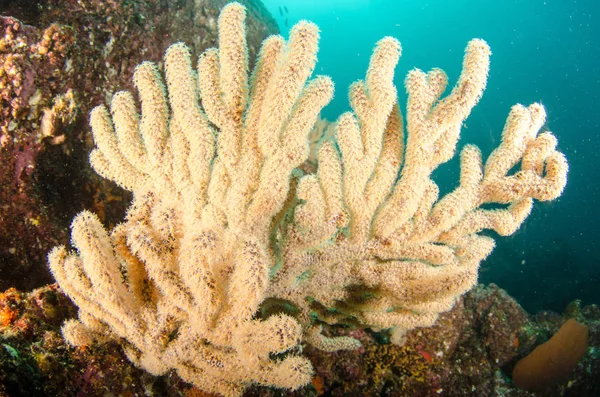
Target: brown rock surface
(59, 59)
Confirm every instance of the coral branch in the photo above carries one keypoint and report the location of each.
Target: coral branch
(223, 220)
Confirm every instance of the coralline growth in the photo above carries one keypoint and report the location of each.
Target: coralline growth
(223, 223)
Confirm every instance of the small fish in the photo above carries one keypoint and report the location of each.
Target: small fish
(425, 355)
(280, 11)
(285, 8)
(286, 22)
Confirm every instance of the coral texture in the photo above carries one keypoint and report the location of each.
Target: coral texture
(224, 223)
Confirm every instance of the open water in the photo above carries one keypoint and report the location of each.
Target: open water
(544, 51)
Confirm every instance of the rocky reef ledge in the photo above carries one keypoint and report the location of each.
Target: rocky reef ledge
(470, 351)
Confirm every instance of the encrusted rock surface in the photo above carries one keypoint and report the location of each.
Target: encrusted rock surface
(469, 352)
(57, 61)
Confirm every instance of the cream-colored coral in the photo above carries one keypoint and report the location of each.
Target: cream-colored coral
(223, 219)
(370, 242)
(207, 183)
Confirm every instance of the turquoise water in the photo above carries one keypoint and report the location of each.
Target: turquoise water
(543, 51)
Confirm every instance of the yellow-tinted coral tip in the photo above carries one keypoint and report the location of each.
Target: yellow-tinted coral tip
(480, 46)
(305, 31)
(232, 10)
(389, 45)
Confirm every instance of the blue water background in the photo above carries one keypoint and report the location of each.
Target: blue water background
(543, 51)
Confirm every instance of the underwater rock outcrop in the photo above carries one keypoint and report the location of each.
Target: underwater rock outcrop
(57, 61)
(471, 348)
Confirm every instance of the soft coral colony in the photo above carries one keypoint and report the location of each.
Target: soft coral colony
(223, 222)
